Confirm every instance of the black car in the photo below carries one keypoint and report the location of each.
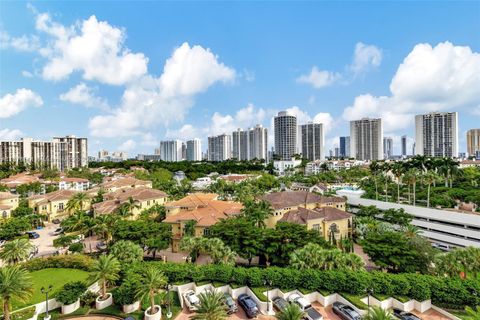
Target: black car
(345, 312)
(312, 314)
(56, 221)
(32, 234)
(247, 304)
(280, 303)
(404, 315)
(230, 304)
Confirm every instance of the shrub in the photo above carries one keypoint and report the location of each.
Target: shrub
(88, 298)
(126, 293)
(77, 261)
(76, 247)
(71, 292)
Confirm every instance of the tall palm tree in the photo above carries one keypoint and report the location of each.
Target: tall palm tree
(211, 306)
(375, 169)
(398, 172)
(105, 270)
(429, 178)
(104, 225)
(378, 313)
(16, 251)
(15, 283)
(132, 204)
(257, 212)
(414, 173)
(78, 222)
(151, 282)
(291, 312)
(77, 202)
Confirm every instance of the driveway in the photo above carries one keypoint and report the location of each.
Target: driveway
(45, 241)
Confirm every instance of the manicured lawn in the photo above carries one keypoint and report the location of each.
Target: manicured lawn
(56, 277)
(355, 300)
(259, 293)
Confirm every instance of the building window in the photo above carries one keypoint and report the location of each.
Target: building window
(148, 202)
(4, 214)
(44, 207)
(316, 227)
(206, 232)
(60, 206)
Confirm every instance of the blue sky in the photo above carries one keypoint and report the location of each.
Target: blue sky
(129, 74)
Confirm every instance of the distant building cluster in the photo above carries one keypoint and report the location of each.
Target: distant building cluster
(116, 156)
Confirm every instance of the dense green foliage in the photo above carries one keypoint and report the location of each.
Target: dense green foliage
(77, 261)
(140, 231)
(71, 292)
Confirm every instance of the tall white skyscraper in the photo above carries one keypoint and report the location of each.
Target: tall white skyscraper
(388, 147)
(171, 150)
(285, 129)
(366, 139)
(62, 153)
(194, 150)
(220, 147)
(250, 144)
(312, 141)
(436, 134)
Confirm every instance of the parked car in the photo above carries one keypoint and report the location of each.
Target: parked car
(404, 315)
(2, 242)
(247, 304)
(102, 246)
(312, 314)
(345, 312)
(279, 303)
(191, 300)
(230, 304)
(300, 301)
(81, 237)
(58, 231)
(33, 252)
(32, 234)
(56, 221)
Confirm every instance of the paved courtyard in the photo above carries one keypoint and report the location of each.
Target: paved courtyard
(45, 242)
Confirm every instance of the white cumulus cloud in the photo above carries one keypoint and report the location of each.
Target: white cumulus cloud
(441, 78)
(11, 104)
(7, 134)
(127, 145)
(83, 95)
(365, 57)
(319, 78)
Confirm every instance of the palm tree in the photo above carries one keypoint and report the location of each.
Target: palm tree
(211, 306)
(151, 282)
(15, 283)
(78, 222)
(104, 225)
(378, 313)
(105, 270)
(16, 251)
(445, 265)
(429, 178)
(257, 212)
(414, 173)
(291, 312)
(77, 201)
(398, 171)
(375, 169)
(473, 313)
(131, 205)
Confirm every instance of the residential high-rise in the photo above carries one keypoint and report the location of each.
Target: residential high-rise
(171, 150)
(312, 141)
(388, 147)
(62, 153)
(257, 143)
(473, 142)
(366, 139)
(436, 134)
(194, 150)
(184, 151)
(240, 144)
(345, 147)
(285, 130)
(220, 147)
(404, 145)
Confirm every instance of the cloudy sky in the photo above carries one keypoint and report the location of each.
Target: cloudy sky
(129, 74)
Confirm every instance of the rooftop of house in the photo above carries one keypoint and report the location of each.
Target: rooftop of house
(302, 215)
(20, 178)
(114, 200)
(124, 182)
(53, 196)
(203, 208)
(284, 199)
(8, 195)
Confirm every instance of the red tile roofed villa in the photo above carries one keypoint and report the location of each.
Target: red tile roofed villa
(286, 201)
(21, 178)
(204, 208)
(53, 204)
(124, 183)
(143, 196)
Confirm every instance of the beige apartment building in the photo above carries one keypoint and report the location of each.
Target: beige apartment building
(473, 141)
(53, 204)
(8, 202)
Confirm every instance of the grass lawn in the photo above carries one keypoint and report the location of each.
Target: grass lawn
(259, 293)
(355, 300)
(56, 277)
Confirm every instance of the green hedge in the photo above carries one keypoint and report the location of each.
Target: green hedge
(73, 261)
(442, 291)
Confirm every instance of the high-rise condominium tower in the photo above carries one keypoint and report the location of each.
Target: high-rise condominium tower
(345, 147)
(473, 141)
(404, 145)
(312, 141)
(194, 150)
(366, 139)
(219, 147)
(285, 127)
(61, 153)
(388, 147)
(250, 144)
(436, 134)
(171, 150)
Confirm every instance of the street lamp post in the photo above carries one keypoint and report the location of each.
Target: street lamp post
(268, 285)
(46, 292)
(369, 292)
(169, 311)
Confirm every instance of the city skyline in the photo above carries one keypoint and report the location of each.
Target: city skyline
(232, 81)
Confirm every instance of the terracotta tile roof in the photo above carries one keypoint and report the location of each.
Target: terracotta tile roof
(5, 207)
(20, 178)
(302, 215)
(113, 200)
(234, 177)
(53, 196)
(8, 195)
(203, 208)
(79, 180)
(125, 182)
(285, 199)
(106, 207)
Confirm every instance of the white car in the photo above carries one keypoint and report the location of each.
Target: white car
(58, 231)
(300, 301)
(2, 242)
(192, 300)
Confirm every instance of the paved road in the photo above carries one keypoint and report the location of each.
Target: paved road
(45, 242)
